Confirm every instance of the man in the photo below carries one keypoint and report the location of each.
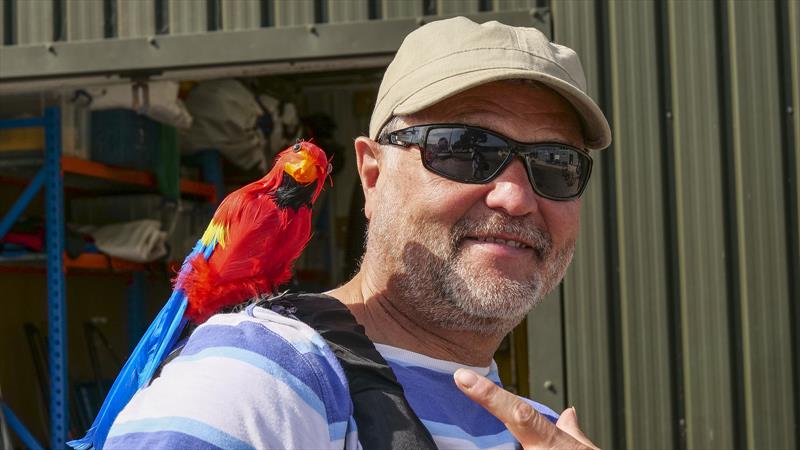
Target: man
(462, 242)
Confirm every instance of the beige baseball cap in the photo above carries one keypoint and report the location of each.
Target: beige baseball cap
(445, 57)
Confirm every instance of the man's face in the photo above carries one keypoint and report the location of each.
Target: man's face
(445, 245)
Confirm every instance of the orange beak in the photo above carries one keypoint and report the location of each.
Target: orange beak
(301, 167)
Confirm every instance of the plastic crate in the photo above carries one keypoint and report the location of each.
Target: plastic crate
(121, 137)
(21, 139)
(74, 132)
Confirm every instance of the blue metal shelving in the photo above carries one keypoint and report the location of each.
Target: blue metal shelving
(56, 301)
(50, 178)
(15, 424)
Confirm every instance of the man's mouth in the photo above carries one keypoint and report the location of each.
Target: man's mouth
(511, 242)
(502, 236)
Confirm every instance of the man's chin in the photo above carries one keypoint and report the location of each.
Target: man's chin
(498, 272)
(499, 304)
(492, 278)
(482, 326)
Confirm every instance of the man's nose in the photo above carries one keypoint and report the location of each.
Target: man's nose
(512, 192)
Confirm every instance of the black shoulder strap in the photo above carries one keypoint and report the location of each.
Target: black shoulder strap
(383, 416)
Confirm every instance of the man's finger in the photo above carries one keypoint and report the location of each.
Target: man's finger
(528, 426)
(568, 422)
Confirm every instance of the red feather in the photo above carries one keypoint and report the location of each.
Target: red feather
(261, 241)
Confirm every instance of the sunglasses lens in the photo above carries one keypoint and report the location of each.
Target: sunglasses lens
(558, 172)
(464, 154)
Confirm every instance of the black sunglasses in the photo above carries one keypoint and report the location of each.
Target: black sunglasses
(475, 155)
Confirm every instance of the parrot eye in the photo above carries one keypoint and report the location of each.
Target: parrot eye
(296, 147)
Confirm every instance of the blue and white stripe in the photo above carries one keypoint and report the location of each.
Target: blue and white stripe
(453, 419)
(257, 380)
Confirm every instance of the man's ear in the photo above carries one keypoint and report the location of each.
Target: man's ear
(368, 159)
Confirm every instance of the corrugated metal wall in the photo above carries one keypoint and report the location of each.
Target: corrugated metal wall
(680, 312)
(34, 20)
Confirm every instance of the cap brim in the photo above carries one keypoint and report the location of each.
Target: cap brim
(597, 133)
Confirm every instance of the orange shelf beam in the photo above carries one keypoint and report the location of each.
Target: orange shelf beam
(96, 261)
(85, 263)
(199, 189)
(131, 176)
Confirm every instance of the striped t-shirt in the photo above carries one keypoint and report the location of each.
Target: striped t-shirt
(257, 380)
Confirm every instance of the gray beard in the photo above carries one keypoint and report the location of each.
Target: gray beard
(430, 281)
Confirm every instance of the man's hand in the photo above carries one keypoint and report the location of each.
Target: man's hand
(531, 429)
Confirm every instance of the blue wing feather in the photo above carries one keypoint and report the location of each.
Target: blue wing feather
(137, 372)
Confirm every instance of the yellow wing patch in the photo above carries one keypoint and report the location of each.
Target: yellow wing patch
(214, 234)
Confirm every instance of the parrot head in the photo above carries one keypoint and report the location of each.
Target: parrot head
(302, 170)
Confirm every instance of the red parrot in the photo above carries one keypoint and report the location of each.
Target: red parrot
(248, 249)
(256, 234)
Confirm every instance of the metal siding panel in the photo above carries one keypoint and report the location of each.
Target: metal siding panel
(762, 233)
(84, 20)
(187, 16)
(510, 5)
(241, 14)
(347, 10)
(136, 18)
(585, 325)
(641, 225)
(393, 9)
(34, 22)
(792, 72)
(794, 33)
(700, 218)
(457, 7)
(2, 23)
(293, 12)
(585, 287)
(546, 353)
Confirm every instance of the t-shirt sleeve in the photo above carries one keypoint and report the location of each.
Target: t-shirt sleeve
(241, 383)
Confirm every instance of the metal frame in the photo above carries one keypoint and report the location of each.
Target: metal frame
(19, 428)
(51, 177)
(22, 202)
(154, 55)
(56, 301)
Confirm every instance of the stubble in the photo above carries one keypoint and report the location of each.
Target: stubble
(433, 281)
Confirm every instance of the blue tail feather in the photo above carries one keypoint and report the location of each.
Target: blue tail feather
(137, 372)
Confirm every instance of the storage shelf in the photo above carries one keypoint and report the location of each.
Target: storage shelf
(97, 261)
(131, 176)
(52, 173)
(86, 262)
(22, 165)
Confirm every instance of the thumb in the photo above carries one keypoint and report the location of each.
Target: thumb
(568, 422)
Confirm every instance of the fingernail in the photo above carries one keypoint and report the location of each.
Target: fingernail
(466, 378)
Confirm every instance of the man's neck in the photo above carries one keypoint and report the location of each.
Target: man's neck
(374, 308)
